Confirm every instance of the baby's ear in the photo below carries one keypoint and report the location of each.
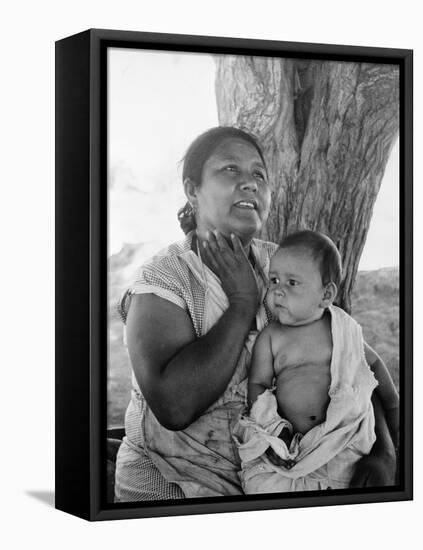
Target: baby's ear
(329, 295)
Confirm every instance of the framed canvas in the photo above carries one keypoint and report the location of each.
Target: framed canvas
(158, 344)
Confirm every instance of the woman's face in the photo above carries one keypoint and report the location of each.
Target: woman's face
(234, 195)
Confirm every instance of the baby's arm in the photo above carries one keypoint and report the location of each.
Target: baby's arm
(261, 372)
(260, 379)
(386, 392)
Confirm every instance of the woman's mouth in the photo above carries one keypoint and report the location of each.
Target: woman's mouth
(247, 204)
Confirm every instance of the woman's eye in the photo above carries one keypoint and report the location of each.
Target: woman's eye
(260, 176)
(232, 168)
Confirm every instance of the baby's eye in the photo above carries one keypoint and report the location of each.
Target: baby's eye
(293, 282)
(274, 280)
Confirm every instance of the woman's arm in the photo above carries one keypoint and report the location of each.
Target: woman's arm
(181, 375)
(386, 392)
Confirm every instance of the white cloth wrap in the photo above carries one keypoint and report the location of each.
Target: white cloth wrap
(325, 456)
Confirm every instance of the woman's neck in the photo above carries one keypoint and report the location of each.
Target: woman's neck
(196, 247)
(201, 235)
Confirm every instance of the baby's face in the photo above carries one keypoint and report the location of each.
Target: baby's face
(296, 290)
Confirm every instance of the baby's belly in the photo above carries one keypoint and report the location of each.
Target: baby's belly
(302, 395)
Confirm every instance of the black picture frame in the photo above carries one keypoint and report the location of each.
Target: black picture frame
(81, 271)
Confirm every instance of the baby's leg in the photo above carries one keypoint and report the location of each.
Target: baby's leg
(286, 436)
(274, 458)
(277, 460)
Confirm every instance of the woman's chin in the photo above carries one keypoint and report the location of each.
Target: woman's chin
(246, 232)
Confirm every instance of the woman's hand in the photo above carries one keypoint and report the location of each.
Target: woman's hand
(233, 269)
(378, 468)
(374, 471)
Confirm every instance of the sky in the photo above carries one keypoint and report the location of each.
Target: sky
(158, 103)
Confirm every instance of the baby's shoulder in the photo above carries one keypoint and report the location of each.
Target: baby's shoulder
(282, 339)
(277, 332)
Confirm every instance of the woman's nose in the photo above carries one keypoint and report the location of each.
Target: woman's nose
(249, 184)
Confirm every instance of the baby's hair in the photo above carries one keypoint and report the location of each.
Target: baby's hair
(322, 250)
(197, 155)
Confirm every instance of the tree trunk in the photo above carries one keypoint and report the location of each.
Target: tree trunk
(327, 129)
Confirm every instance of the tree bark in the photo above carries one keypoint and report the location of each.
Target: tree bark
(327, 129)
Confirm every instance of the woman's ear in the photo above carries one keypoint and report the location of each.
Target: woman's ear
(329, 294)
(191, 191)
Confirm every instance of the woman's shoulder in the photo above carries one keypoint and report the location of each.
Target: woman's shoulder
(168, 256)
(264, 250)
(163, 274)
(266, 246)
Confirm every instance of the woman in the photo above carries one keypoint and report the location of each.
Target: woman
(191, 321)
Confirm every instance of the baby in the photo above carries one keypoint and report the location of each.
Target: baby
(319, 422)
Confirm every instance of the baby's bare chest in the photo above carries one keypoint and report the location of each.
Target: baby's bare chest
(308, 352)
(303, 377)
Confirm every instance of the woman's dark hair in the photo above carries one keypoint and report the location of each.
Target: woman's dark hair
(322, 250)
(197, 155)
